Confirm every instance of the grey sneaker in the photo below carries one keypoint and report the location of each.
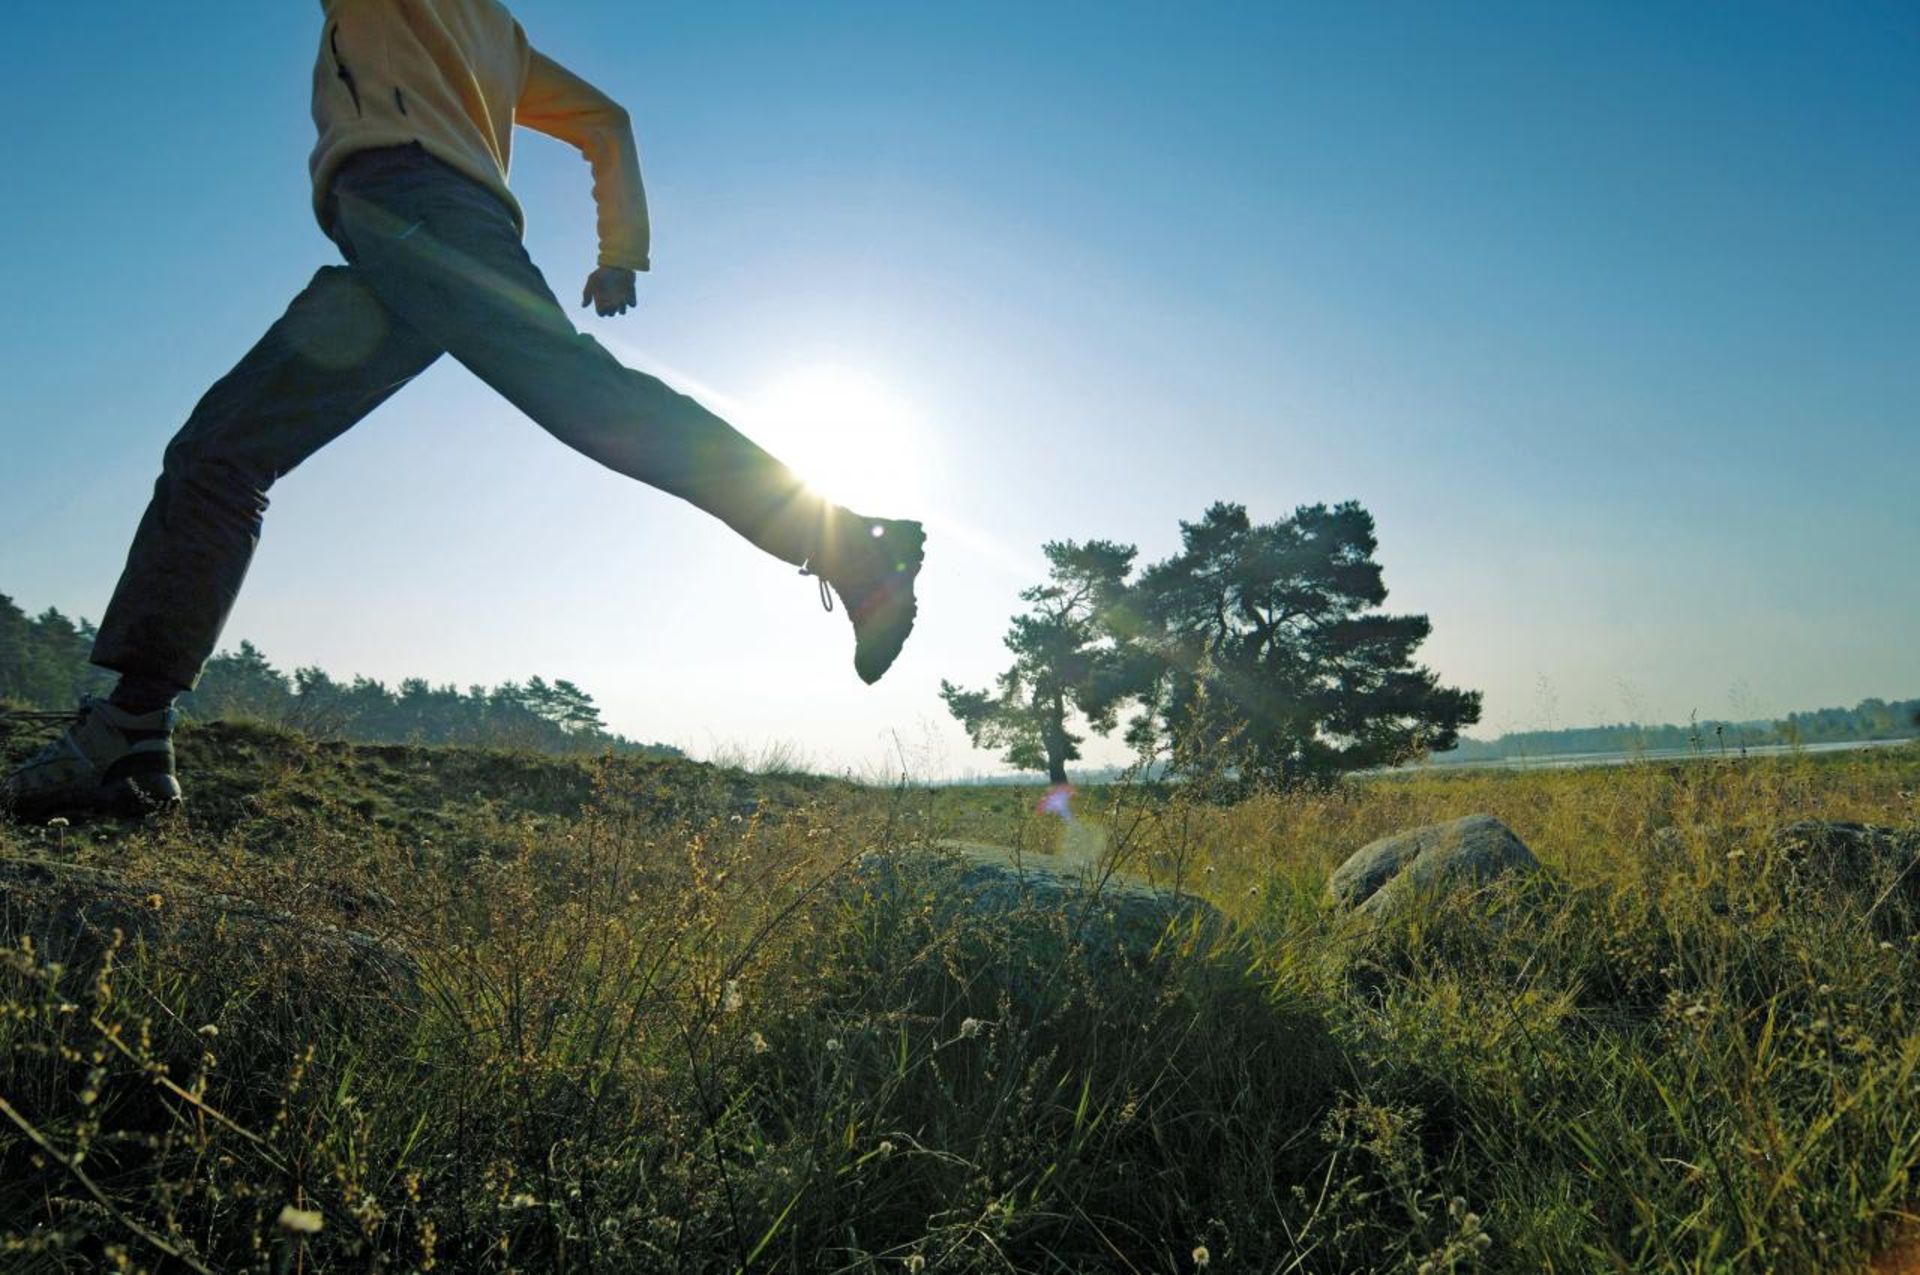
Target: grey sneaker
(871, 564)
(108, 762)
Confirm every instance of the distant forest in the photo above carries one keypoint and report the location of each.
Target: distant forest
(1870, 719)
(43, 665)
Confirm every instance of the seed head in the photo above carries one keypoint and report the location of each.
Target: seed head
(301, 1221)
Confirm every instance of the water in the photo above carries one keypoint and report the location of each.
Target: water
(1563, 761)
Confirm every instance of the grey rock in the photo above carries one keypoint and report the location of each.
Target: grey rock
(72, 913)
(1853, 856)
(1464, 853)
(1042, 907)
(1667, 844)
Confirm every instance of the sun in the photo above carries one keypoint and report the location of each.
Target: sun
(852, 440)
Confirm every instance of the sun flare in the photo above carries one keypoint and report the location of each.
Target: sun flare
(852, 439)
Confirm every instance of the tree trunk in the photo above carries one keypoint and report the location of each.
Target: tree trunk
(1056, 737)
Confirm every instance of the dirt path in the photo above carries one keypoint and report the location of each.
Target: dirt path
(1902, 1259)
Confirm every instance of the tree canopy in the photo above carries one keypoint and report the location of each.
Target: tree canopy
(1270, 651)
(1259, 650)
(1065, 660)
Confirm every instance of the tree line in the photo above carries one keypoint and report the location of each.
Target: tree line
(1870, 719)
(43, 665)
(1257, 654)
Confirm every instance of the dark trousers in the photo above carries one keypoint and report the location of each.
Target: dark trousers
(434, 265)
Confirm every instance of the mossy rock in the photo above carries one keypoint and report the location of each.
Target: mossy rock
(1869, 866)
(1027, 920)
(73, 916)
(1436, 860)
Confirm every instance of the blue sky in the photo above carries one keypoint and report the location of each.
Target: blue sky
(1608, 312)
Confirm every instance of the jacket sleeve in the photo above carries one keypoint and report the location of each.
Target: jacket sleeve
(560, 104)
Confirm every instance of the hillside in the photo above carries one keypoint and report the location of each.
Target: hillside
(388, 1008)
(240, 776)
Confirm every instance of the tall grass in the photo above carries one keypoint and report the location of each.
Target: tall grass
(649, 1036)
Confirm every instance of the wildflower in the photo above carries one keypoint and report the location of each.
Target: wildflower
(300, 1221)
(1735, 855)
(969, 1028)
(759, 1043)
(522, 1200)
(833, 1045)
(156, 902)
(57, 823)
(209, 1031)
(1200, 1255)
(730, 999)
(916, 1263)
(885, 1148)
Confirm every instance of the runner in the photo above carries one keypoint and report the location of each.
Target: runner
(415, 101)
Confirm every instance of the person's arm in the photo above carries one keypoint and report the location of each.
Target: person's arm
(559, 103)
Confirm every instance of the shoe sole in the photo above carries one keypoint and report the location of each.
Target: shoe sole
(123, 799)
(871, 662)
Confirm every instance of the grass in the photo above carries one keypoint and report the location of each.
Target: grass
(649, 1021)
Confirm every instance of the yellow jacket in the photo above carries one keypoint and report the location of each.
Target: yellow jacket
(456, 76)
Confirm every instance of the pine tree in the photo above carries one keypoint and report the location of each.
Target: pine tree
(1270, 651)
(1065, 662)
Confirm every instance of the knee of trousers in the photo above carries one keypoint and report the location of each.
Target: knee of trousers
(199, 478)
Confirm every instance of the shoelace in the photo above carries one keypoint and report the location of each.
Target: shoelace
(826, 594)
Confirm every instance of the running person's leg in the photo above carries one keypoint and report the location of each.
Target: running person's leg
(443, 252)
(335, 355)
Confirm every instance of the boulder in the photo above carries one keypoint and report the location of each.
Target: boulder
(1030, 912)
(1851, 856)
(1465, 853)
(70, 913)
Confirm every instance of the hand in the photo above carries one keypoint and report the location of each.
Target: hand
(609, 291)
